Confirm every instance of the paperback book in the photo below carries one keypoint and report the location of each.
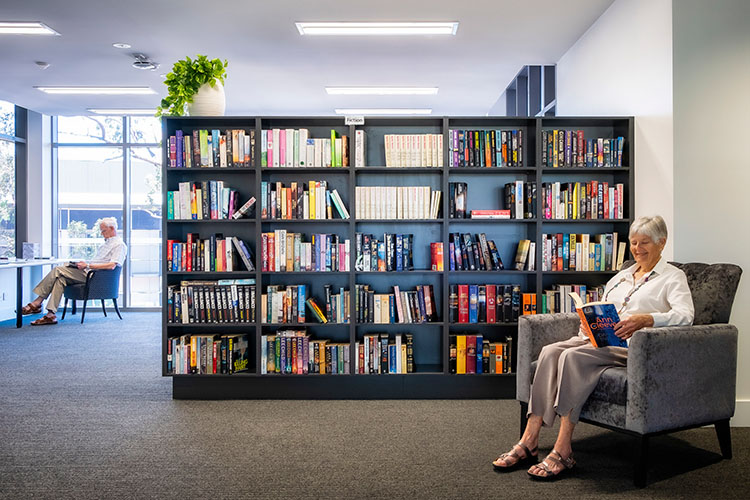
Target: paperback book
(598, 320)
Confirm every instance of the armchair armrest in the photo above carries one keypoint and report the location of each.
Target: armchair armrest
(103, 283)
(680, 376)
(534, 332)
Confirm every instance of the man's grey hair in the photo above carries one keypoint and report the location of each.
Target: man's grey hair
(652, 226)
(109, 222)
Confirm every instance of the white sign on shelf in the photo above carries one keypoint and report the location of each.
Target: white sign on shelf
(354, 120)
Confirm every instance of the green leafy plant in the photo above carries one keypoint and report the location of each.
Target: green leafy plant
(186, 78)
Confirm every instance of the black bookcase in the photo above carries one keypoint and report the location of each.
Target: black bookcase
(432, 378)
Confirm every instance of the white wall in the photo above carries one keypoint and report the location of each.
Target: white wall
(622, 66)
(712, 166)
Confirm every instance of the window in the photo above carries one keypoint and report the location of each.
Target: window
(7, 179)
(93, 162)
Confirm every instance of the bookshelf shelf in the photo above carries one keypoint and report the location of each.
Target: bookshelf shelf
(432, 377)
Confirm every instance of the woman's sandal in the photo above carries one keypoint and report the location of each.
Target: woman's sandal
(44, 320)
(512, 460)
(553, 466)
(30, 309)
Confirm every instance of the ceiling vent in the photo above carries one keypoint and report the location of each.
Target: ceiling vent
(143, 62)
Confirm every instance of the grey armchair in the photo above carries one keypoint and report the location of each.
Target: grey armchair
(676, 377)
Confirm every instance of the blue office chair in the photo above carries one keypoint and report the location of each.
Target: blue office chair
(100, 284)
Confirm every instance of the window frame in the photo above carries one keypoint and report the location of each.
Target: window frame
(20, 169)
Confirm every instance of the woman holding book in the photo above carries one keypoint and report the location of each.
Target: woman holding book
(650, 293)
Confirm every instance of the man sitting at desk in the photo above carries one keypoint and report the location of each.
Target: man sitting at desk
(109, 255)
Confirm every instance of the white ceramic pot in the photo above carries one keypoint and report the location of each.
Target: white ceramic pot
(208, 101)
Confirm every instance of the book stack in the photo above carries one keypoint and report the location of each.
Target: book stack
(557, 299)
(294, 148)
(486, 148)
(294, 352)
(336, 306)
(393, 253)
(520, 199)
(582, 200)
(570, 148)
(484, 303)
(582, 252)
(475, 354)
(413, 306)
(477, 253)
(211, 149)
(208, 354)
(413, 150)
(380, 354)
(457, 194)
(205, 201)
(283, 251)
(397, 202)
(279, 202)
(214, 254)
(220, 301)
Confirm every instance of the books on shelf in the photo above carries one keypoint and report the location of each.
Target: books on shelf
(473, 253)
(214, 254)
(484, 303)
(582, 200)
(294, 148)
(598, 320)
(520, 198)
(475, 354)
(413, 150)
(525, 256)
(397, 202)
(208, 354)
(490, 214)
(212, 149)
(457, 195)
(296, 352)
(288, 304)
(380, 353)
(486, 148)
(401, 306)
(394, 253)
(205, 200)
(211, 301)
(557, 299)
(300, 201)
(582, 252)
(571, 148)
(283, 251)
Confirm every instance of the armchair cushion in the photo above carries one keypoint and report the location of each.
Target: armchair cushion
(612, 386)
(101, 284)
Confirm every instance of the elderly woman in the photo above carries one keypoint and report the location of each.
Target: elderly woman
(650, 293)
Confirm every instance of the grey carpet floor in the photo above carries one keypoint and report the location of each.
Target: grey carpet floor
(84, 413)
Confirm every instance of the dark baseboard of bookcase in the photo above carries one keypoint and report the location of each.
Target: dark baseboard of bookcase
(419, 386)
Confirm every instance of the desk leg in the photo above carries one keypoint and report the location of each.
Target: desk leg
(19, 297)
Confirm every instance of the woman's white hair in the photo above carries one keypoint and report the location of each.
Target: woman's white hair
(652, 226)
(109, 222)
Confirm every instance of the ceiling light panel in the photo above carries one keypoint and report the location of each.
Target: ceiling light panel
(383, 111)
(97, 90)
(377, 29)
(382, 90)
(25, 28)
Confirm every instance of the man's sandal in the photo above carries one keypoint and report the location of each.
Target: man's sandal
(30, 309)
(553, 466)
(512, 459)
(44, 320)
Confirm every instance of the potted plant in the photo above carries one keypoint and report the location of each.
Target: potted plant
(199, 84)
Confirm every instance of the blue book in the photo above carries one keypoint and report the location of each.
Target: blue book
(392, 308)
(392, 358)
(179, 143)
(301, 298)
(598, 320)
(597, 257)
(480, 340)
(399, 252)
(473, 302)
(566, 252)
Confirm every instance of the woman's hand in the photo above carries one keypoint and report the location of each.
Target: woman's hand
(627, 327)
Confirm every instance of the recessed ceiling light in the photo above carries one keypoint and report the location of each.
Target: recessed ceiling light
(97, 90)
(120, 45)
(349, 28)
(382, 90)
(383, 111)
(25, 28)
(115, 111)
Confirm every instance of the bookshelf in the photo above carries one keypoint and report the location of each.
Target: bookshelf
(432, 378)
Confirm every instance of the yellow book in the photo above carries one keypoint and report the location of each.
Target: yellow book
(461, 354)
(193, 353)
(576, 199)
(312, 203)
(555, 157)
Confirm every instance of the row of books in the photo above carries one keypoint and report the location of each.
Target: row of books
(558, 300)
(208, 149)
(394, 253)
(570, 148)
(484, 303)
(582, 200)
(295, 352)
(205, 200)
(520, 198)
(413, 150)
(473, 253)
(283, 251)
(475, 354)
(457, 194)
(216, 253)
(209, 301)
(397, 202)
(208, 354)
(525, 256)
(294, 148)
(287, 303)
(486, 148)
(295, 202)
(379, 353)
(582, 252)
(410, 306)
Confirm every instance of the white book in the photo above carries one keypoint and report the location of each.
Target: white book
(399, 366)
(185, 212)
(303, 132)
(326, 152)
(519, 200)
(223, 151)
(377, 312)
(275, 136)
(306, 205)
(228, 253)
(289, 144)
(359, 148)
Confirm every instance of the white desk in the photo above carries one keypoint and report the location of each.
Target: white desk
(19, 265)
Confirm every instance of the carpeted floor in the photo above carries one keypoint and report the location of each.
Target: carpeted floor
(85, 414)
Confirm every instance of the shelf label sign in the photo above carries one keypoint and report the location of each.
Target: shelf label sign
(354, 120)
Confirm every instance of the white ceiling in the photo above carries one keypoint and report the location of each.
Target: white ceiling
(272, 69)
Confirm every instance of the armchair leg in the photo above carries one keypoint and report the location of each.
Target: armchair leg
(641, 462)
(103, 310)
(114, 301)
(65, 308)
(725, 438)
(524, 419)
(74, 310)
(83, 313)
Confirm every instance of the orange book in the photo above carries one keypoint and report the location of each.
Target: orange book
(288, 192)
(461, 354)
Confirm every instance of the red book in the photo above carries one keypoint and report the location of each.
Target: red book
(271, 253)
(491, 318)
(436, 256)
(264, 252)
(463, 303)
(605, 193)
(471, 354)
(559, 252)
(169, 254)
